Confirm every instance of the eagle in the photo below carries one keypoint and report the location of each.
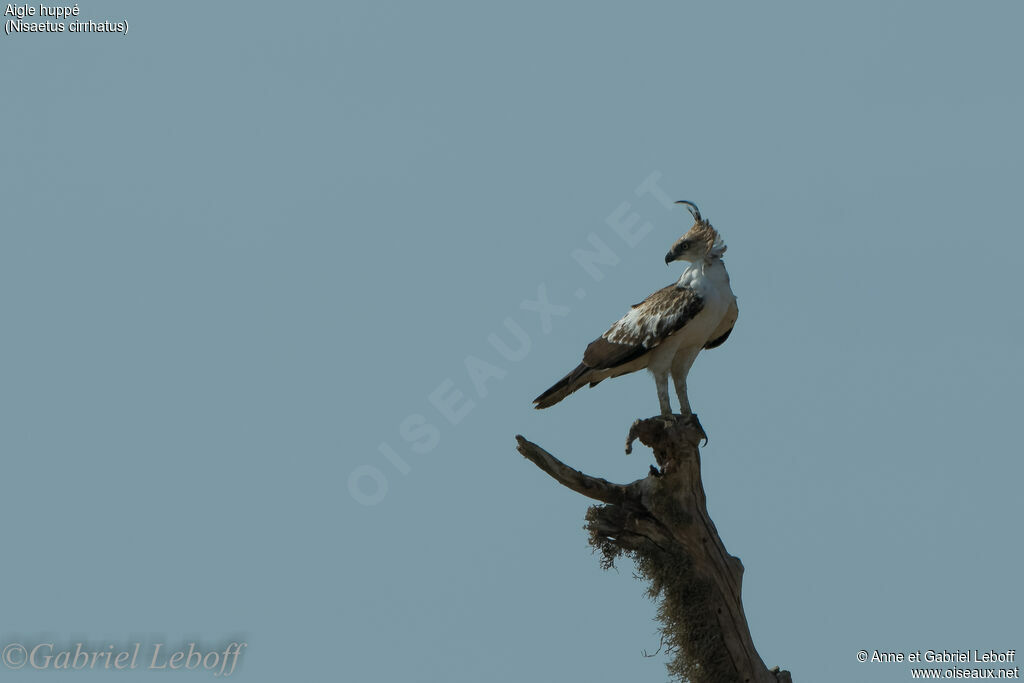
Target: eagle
(664, 332)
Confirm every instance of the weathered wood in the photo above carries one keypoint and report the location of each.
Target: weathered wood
(591, 487)
(662, 523)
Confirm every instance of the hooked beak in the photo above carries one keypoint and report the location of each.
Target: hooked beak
(672, 255)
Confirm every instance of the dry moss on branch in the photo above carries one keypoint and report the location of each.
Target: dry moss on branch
(684, 611)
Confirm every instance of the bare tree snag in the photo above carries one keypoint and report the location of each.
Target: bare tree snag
(662, 523)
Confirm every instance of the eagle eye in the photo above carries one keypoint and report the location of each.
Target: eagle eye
(684, 245)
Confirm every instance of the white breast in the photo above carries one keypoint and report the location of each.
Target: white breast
(711, 283)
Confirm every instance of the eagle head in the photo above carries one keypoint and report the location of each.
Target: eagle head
(700, 242)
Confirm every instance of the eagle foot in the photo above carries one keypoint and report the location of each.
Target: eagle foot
(695, 424)
(667, 422)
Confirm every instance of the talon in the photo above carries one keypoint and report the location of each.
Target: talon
(700, 429)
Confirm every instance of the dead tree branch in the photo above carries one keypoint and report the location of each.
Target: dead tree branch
(662, 523)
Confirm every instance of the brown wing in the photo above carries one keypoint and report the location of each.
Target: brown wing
(646, 325)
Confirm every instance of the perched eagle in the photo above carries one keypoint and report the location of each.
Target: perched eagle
(664, 332)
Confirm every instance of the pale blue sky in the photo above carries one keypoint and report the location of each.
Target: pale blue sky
(243, 245)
